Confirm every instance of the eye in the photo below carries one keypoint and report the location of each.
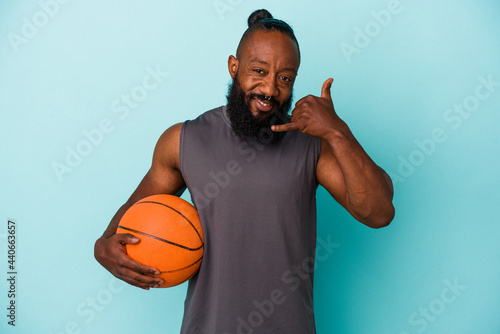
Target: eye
(258, 70)
(286, 79)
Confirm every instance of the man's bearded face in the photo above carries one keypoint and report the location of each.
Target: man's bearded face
(248, 127)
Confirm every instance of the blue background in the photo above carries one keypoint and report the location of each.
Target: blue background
(65, 66)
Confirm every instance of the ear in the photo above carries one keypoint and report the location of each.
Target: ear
(232, 65)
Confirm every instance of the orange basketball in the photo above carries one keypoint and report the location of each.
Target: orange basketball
(171, 236)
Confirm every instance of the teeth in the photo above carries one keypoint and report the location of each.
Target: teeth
(264, 104)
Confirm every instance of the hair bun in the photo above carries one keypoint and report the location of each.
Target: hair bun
(258, 16)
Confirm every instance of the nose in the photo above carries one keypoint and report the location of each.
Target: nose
(269, 86)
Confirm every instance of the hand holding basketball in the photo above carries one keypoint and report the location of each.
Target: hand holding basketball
(171, 237)
(112, 255)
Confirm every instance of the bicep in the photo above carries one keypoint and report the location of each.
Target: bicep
(329, 175)
(164, 176)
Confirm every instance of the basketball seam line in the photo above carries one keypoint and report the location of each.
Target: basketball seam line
(159, 239)
(173, 271)
(168, 206)
(191, 276)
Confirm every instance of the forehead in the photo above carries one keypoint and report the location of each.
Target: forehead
(272, 47)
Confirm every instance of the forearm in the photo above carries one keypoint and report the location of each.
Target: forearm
(113, 225)
(109, 232)
(110, 251)
(369, 190)
(343, 168)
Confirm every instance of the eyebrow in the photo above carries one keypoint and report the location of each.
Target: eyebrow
(257, 60)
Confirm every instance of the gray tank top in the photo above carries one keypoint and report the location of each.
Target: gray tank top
(257, 207)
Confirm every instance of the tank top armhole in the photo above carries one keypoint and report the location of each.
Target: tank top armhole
(181, 150)
(317, 153)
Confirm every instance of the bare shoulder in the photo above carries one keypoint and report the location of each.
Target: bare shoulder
(166, 152)
(164, 176)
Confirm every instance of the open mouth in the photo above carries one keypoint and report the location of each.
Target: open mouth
(262, 104)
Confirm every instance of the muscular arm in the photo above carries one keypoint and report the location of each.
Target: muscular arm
(355, 181)
(344, 168)
(164, 177)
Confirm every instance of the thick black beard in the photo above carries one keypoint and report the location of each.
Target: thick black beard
(245, 125)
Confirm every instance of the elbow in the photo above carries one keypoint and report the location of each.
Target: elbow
(375, 214)
(384, 218)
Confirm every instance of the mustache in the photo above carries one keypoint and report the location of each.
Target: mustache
(269, 99)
